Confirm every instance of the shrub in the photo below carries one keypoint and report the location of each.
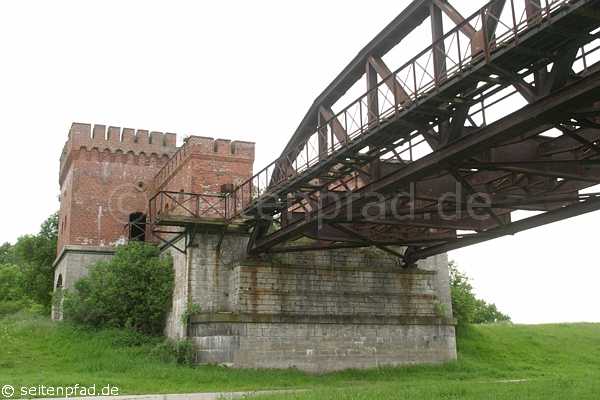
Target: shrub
(465, 306)
(11, 283)
(35, 254)
(463, 299)
(12, 294)
(132, 290)
(191, 310)
(7, 254)
(175, 351)
(488, 313)
(26, 268)
(13, 306)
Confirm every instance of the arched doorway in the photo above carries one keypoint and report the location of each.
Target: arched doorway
(57, 299)
(137, 226)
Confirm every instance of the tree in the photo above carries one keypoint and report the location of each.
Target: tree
(465, 306)
(132, 290)
(7, 254)
(12, 295)
(35, 254)
(463, 300)
(488, 313)
(11, 283)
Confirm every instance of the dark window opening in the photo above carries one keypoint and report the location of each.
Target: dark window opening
(137, 226)
(227, 188)
(59, 282)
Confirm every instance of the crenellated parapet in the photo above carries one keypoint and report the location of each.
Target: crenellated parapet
(222, 147)
(137, 145)
(124, 139)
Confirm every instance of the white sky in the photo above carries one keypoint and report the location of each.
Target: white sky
(244, 70)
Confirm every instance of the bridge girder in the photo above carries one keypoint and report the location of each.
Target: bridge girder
(537, 157)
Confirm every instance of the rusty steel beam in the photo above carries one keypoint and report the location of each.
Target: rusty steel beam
(505, 204)
(336, 127)
(492, 18)
(528, 92)
(439, 52)
(316, 247)
(582, 140)
(411, 17)
(308, 129)
(373, 112)
(373, 94)
(560, 214)
(365, 239)
(565, 169)
(529, 121)
(392, 83)
(456, 17)
(437, 111)
(560, 72)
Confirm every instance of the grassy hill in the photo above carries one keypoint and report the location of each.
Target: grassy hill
(495, 362)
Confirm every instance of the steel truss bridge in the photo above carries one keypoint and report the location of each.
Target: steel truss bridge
(500, 113)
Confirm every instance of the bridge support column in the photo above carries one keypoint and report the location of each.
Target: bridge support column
(317, 311)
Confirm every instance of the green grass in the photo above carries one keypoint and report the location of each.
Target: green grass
(549, 362)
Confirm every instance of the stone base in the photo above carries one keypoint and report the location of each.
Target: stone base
(72, 264)
(320, 344)
(319, 311)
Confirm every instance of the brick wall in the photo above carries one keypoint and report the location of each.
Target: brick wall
(202, 276)
(317, 311)
(105, 175)
(343, 290)
(323, 346)
(337, 282)
(204, 164)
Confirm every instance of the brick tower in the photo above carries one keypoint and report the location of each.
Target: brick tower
(108, 176)
(105, 176)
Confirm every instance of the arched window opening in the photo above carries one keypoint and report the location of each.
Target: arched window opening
(137, 226)
(59, 282)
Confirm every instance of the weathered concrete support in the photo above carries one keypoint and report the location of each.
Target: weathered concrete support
(318, 311)
(202, 276)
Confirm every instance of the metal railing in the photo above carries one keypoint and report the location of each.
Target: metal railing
(163, 174)
(173, 205)
(405, 88)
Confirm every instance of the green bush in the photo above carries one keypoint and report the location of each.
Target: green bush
(11, 283)
(175, 351)
(26, 271)
(12, 294)
(13, 306)
(7, 254)
(465, 306)
(191, 310)
(488, 313)
(132, 290)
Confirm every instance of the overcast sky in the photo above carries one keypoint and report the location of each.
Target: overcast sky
(244, 70)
